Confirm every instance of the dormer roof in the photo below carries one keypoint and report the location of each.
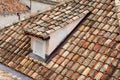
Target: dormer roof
(55, 18)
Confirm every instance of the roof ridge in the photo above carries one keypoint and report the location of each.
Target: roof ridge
(52, 7)
(47, 2)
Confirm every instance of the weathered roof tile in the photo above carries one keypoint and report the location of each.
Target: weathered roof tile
(11, 6)
(66, 13)
(91, 52)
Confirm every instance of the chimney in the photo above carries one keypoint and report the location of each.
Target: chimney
(46, 36)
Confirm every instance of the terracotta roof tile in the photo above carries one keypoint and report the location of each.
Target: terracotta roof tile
(7, 76)
(56, 18)
(11, 6)
(91, 52)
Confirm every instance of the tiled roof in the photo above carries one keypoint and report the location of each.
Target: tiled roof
(92, 52)
(7, 76)
(55, 18)
(117, 4)
(11, 6)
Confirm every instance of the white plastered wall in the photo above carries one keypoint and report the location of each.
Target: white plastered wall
(58, 36)
(46, 47)
(8, 20)
(39, 46)
(35, 5)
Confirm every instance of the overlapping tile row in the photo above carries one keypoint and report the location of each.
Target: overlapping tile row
(117, 5)
(7, 76)
(92, 52)
(55, 18)
(13, 39)
(11, 6)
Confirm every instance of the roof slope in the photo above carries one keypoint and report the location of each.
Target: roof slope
(92, 52)
(7, 76)
(11, 6)
(55, 18)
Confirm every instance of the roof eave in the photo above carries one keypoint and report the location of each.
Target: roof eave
(42, 36)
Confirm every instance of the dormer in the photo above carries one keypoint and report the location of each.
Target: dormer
(53, 26)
